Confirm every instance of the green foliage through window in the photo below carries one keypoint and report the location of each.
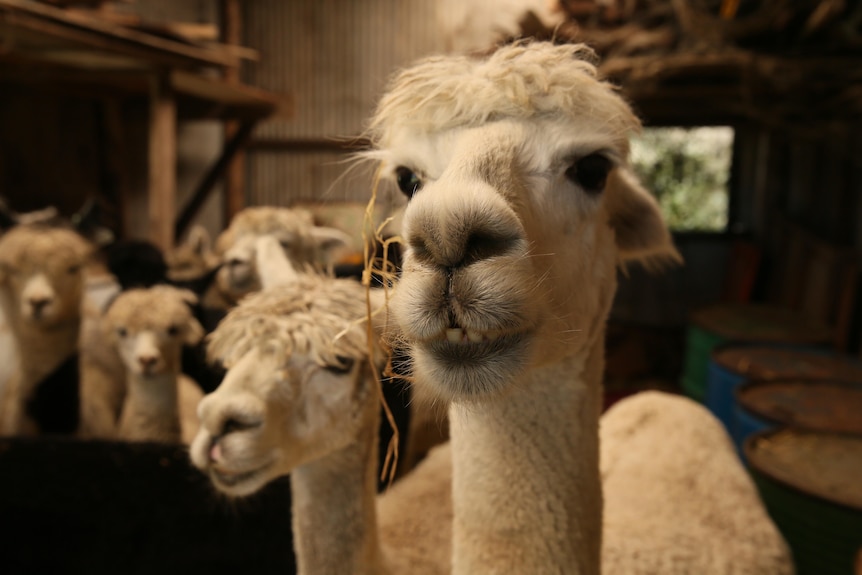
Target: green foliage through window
(687, 169)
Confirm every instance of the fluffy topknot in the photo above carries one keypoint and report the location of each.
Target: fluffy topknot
(316, 316)
(520, 80)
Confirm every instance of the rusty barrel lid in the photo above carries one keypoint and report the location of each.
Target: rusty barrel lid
(761, 323)
(812, 404)
(778, 362)
(824, 465)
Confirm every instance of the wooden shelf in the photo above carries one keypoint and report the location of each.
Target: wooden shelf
(70, 51)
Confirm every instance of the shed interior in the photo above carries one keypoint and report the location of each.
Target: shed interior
(175, 113)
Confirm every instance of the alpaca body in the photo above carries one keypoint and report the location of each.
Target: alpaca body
(44, 351)
(160, 408)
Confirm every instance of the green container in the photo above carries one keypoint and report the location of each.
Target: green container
(699, 343)
(810, 484)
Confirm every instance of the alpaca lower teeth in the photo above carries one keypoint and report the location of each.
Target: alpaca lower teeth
(454, 335)
(474, 336)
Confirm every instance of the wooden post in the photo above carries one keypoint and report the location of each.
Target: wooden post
(234, 182)
(162, 181)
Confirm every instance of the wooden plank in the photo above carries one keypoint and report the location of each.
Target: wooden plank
(234, 188)
(93, 32)
(162, 182)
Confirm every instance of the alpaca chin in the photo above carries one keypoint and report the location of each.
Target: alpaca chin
(463, 372)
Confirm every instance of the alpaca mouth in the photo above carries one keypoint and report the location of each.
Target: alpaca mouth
(231, 479)
(465, 345)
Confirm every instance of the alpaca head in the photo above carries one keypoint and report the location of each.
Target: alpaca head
(42, 270)
(148, 328)
(296, 389)
(303, 242)
(521, 205)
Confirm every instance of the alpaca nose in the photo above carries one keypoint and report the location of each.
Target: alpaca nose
(460, 229)
(38, 304)
(148, 361)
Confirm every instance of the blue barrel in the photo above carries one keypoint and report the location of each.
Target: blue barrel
(732, 364)
(744, 323)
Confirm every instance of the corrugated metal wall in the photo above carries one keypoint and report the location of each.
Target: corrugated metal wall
(333, 57)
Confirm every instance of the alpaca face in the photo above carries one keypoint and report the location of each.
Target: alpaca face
(304, 244)
(42, 271)
(270, 416)
(511, 252)
(149, 327)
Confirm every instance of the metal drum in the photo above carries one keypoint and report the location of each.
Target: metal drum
(733, 364)
(811, 484)
(744, 323)
(812, 404)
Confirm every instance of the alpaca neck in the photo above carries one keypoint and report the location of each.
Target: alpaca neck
(526, 488)
(151, 410)
(334, 516)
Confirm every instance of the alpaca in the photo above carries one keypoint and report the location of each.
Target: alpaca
(42, 271)
(127, 264)
(299, 398)
(148, 328)
(305, 244)
(521, 206)
(8, 349)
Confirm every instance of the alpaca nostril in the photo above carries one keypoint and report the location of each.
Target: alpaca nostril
(482, 245)
(235, 262)
(233, 425)
(38, 304)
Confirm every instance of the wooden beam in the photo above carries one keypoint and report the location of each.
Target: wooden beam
(62, 25)
(199, 197)
(162, 179)
(234, 188)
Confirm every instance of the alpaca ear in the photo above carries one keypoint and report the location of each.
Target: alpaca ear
(194, 332)
(641, 233)
(188, 296)
(329, 238)
(273, 267)
(199, 240)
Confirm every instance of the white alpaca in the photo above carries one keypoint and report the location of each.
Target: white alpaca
(148, 328)
(41, 283)
(522, 206)
(299, 398)
(303, 242)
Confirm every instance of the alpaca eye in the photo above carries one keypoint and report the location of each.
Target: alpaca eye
(122, 332)
(173, 330)
(590, 173)
(74, 269)
(408, 181)
(344, 365)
